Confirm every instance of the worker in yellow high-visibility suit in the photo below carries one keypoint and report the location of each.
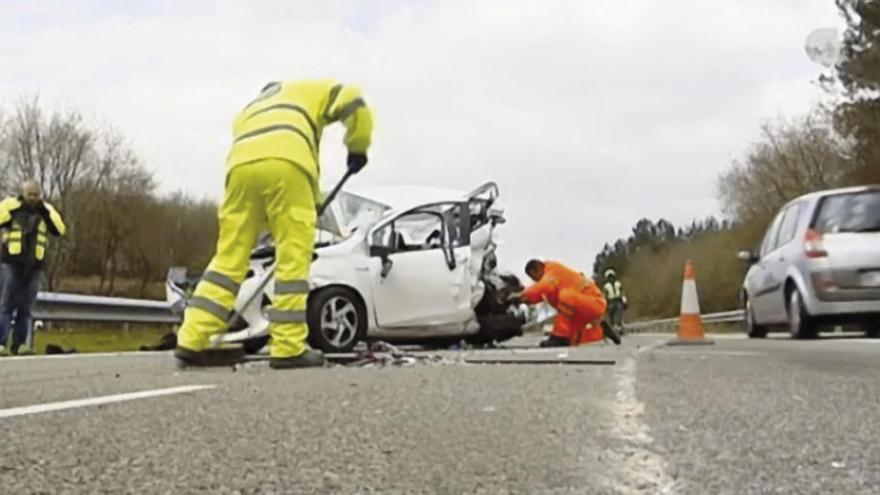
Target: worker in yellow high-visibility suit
(272, 177)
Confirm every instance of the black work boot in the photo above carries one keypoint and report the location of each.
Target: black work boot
(309, 359)
(554, 341)
(223, 355)
(608, 332)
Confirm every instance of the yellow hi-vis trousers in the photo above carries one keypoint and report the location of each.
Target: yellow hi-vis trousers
(271, 193)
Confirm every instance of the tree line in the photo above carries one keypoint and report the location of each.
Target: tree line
(123, 235)
(835, 144)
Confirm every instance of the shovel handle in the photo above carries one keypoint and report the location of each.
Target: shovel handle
(334, 192)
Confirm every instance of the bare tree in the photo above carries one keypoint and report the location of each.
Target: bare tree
(123, 190)
(56, 149)
(120, 232)
(792, 158)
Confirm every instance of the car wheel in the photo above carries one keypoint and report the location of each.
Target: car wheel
(753, 330)
(337, 319)
(800, 323)
(872, 331)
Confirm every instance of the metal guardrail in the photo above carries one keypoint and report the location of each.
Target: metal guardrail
(734, 316)
(54, 306)
(545, 315)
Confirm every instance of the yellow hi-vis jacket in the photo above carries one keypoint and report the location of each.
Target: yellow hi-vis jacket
(25, 231)
(287, 118)
(614, 291)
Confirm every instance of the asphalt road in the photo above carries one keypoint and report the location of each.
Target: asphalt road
(769, 416)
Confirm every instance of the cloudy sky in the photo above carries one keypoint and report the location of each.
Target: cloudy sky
(590, 114)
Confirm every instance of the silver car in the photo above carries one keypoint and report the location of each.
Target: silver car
(818, 265)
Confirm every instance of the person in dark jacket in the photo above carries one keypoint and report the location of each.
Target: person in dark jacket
(26, 222)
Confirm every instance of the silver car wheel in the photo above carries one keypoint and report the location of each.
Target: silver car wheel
(339, 321)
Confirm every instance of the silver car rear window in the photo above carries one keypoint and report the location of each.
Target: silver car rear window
(853, 212)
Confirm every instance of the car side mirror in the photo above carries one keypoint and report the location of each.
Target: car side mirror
(379, 251)
(382, 252)
(748, 256)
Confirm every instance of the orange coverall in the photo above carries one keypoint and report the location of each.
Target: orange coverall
(577, 299)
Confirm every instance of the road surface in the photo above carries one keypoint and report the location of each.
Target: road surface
(741, 416)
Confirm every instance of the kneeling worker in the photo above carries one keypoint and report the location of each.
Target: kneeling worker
(577, 300)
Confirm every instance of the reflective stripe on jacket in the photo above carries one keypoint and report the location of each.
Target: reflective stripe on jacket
(287, 119)
(614, 291)
(25, 231)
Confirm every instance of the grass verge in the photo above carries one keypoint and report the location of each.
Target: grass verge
(90, 339)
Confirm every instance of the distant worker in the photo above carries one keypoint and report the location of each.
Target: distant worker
(272, 178)
(617, 302)
(578, 302)
(26, 222)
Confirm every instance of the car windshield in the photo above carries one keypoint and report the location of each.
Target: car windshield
(856, 212)
(360, 212)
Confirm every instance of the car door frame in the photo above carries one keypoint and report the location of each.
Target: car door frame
(758, 283)
(784, 255)
(770, 298)
(455, 248)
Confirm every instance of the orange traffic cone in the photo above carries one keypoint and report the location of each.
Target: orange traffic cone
(690, 323)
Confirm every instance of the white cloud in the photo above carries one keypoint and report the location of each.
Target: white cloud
(589, 114)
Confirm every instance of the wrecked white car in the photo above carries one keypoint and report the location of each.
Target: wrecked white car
(400, 264)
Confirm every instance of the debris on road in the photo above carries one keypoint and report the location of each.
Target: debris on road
(381, 354)
(377, 355)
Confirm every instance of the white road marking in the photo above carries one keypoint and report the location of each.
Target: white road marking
(79, 355)
(94, 401)
(638, 466)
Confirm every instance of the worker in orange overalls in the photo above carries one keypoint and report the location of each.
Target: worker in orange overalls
(578, 301)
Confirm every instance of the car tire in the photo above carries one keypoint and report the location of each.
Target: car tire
(337, 319)
(753, 330)
(800, 324)
(873, 331)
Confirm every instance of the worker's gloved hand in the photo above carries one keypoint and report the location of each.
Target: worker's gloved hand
(356, 161)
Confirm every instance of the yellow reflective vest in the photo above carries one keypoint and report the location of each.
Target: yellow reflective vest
(25, 231)
(287, 118)
(614, 291)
